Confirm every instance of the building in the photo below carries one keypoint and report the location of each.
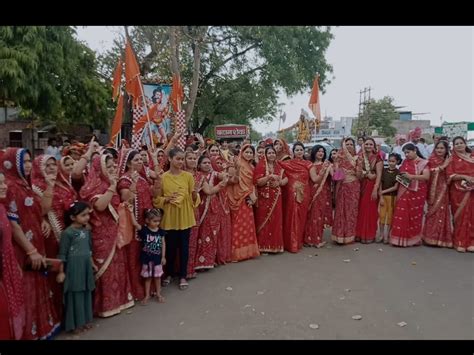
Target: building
(453, 129)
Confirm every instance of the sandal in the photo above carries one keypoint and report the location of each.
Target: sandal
(166, 281)
(183, 285)
(160, 299)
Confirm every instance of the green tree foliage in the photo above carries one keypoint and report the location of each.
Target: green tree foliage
(378, 115)
(241, 69)
(51, 75)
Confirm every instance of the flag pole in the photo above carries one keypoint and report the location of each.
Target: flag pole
(143, 96)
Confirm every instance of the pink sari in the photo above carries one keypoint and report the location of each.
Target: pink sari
(321, 203)
(347, 200)
(407, 219)
(437, 230)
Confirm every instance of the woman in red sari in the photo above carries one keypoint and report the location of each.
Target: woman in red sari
(134, 189)
(282, 149)
(113, 291)
(43, 180)
(321, 198)
(12, 304)
(369, 171)
(296, 198)
(347, 194)
(437, 230)
(407, 219)
(460, 172)
(242, 197)
(25, 214)
(224, 238)
(269, 177)
(209, 215)
(190, 164)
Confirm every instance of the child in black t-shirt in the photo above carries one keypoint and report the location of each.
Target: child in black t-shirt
(152, 254)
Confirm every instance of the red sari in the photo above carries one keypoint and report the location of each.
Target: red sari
(269, 210)
(51, 242)
(209, 226)
(347, 199)
(366, 227)
(24, 207)
(296, 195)
(244, 237)
(142, 201)
(437, 230)
(12, 308)
(113, 291)
(193, 237)
(462, 202)
(407, 219)
(320, 204)
(224, 243)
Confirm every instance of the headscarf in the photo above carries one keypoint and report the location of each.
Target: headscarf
(285, 149)
(239, 192)
(98, 180)
(80, 148)
(12, 166)
(38, 173)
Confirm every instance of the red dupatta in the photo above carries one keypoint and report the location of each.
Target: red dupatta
(267, 196)
(238, 192)
(412, 167)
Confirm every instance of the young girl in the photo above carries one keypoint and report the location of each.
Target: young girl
(75, 252)
(152, 253)
(388, 193)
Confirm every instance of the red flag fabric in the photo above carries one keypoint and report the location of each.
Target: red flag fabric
(314, 100)
(132, 75)
(117, 80)
(117, 123)
(177, 94)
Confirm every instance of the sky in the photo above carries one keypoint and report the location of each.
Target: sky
(427, 69)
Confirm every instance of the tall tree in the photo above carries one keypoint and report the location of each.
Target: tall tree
(378, 115)
(51, 75)
(231, 74)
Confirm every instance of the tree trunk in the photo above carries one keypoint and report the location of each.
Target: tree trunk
(196, 45)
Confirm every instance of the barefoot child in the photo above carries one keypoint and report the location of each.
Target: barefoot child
(152, 254)
(388, 193)
(77, 269)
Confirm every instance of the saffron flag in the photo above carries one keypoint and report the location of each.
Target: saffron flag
(177, 94)
(132, 75)
(117, 80)
(117, 123)
(314, 105)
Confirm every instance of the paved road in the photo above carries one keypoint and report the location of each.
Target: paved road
(279, 296)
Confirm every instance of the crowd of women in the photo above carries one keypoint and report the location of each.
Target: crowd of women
(216, 207)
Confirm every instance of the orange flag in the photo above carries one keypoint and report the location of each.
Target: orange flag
(117, 80)
(132, 75)
(177, 94)
(314, 100)
(117, 123)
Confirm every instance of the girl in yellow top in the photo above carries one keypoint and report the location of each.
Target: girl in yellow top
(178, 198)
